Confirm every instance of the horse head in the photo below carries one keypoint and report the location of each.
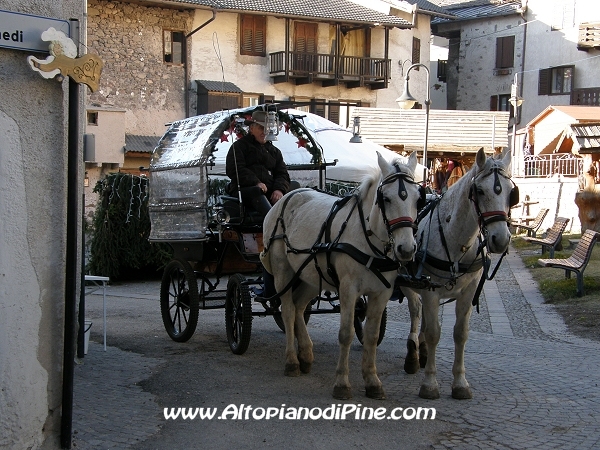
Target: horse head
(493, 193)
(397, 197)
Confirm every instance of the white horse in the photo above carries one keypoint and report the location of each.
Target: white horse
(468, 219)
(318, 241)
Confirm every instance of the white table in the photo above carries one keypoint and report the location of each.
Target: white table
(99, 283)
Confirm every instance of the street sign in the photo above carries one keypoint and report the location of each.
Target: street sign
(24, 31)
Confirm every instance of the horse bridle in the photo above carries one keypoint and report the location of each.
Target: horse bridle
(485, 218)
(404, 221)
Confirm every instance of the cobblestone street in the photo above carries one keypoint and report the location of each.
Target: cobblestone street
(534, 384)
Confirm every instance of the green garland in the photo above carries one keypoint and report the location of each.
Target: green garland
(290, 123)
(121, 226)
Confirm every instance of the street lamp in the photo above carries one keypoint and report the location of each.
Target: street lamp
(515, 101)
(407, 101)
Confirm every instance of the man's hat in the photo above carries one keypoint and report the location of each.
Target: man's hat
(259, 117)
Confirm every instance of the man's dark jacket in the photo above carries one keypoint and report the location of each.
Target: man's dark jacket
(256, 163)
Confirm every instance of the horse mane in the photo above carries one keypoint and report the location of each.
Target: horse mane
(367, 182)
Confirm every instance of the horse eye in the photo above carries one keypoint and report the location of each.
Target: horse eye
(386, 199)
(480, 192)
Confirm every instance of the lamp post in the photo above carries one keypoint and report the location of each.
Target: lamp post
(516, 102)
(407, 101)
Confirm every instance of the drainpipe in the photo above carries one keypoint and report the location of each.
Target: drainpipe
(185, 65)
(523, 11)
(71, 256)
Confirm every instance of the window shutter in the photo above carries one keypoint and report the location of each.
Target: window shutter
(253, 35)
(334, 113)
(494, 103)
(544, 82)
(260, 27)
(305, 39)
(505, 51)
(318, 107)
(416, 52)
(508, 51)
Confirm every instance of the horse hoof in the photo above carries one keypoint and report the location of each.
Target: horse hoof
(411, 366)
(411, 362)
(422, 354)
(305, 367)
(342, 392)
(429, 393)
(462, 393)
(375, 392)
(292, 370)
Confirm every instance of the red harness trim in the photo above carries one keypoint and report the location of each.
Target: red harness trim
(401, 219)
(493, 213)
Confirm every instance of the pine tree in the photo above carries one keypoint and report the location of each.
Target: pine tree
(120, 247)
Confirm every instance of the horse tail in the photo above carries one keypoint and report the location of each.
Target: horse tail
(265, 259)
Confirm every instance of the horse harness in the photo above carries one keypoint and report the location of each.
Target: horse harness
(325, 244)
(484, 218)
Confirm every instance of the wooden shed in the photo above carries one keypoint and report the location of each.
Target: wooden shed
(452, 134)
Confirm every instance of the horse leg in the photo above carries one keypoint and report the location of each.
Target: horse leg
(303, 294)
(460, 387)
(341, 388)
(422, 349)
(288, 315)
(430, 388)
(375, 306)
(411, 362)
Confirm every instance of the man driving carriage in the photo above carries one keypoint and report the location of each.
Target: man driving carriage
(256, 167)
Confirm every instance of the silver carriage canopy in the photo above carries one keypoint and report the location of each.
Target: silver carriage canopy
(194, 148)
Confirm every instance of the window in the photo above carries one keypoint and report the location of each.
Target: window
(92, 118)
(556, 80)
(442, 65)
(416, 52)
(253, 35)
(505, 50)
(173, 47)
(250, 100)
(563, 15)
(501, 103)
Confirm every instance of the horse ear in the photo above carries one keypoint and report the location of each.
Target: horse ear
(480, 159)
(412, 161)
(383, 164)
(506, 157)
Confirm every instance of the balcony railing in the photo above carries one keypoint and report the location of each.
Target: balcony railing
(354, 71)
(567, 165)
(586, 96)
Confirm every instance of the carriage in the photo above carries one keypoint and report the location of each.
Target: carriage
(216, 241)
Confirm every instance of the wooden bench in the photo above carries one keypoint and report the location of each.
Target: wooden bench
(535, 225)
(553, 238)
(578, 259)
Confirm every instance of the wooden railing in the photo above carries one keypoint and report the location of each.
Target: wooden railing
(322, 67)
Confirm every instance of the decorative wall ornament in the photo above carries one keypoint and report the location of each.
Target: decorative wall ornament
(63, 61)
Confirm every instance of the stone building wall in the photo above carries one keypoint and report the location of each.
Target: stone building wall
(129, 39)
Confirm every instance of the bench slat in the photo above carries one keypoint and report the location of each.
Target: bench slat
(578, 260)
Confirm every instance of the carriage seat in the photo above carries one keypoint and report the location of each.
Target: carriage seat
(240, 214)
(245, 214)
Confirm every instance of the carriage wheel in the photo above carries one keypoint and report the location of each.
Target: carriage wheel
(279, 319)
(238, 314)
(360, 318)
(179, 301)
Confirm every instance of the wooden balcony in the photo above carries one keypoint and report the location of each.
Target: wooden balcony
(329, 70)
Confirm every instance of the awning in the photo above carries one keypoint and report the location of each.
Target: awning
(217, 86)
(139, 143)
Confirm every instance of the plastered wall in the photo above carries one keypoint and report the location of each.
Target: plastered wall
(32, 242)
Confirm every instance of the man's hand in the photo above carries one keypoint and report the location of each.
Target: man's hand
(262, 186)
(275, 197)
